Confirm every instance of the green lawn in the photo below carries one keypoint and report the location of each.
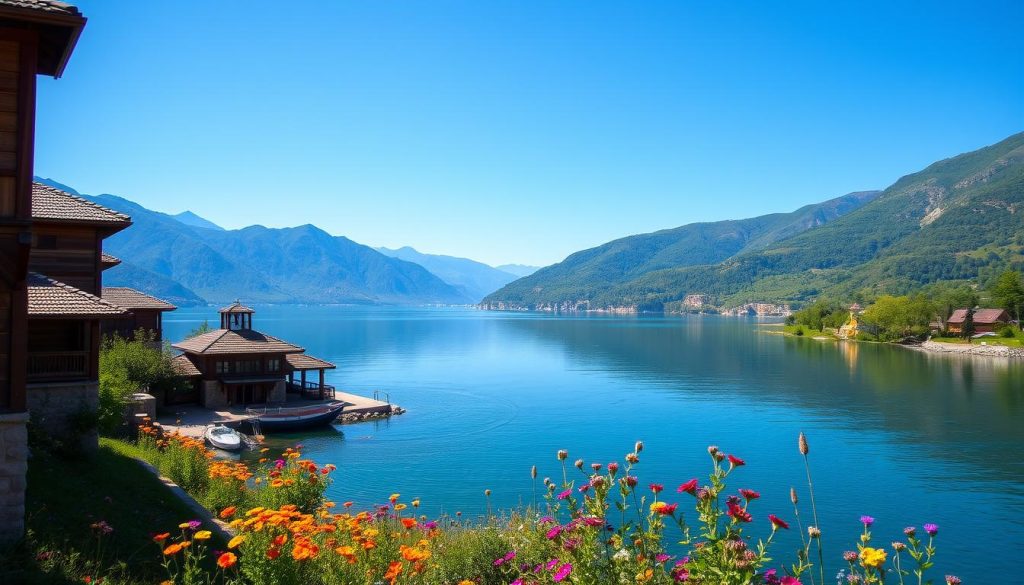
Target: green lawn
(66, 496)
(1005, 341)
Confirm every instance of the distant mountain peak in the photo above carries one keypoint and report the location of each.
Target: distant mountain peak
(189, 218)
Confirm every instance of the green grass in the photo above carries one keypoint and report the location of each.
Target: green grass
(1003, 341)
(66, 496)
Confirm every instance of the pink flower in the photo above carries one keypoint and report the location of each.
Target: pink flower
(867, 521)
(689, 487)
(787, 580)
(749, 494)
(552, 563)
(736, 511)
(931, 529)
(565, 494)
(661, 558)
(777, 522)
(563, 572)
(657, 487)
(736, 461)
(554, 532)
(613, 467)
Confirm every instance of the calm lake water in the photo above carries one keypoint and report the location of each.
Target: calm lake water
(901, 435)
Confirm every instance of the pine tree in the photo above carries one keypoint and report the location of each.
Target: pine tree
(968, 328)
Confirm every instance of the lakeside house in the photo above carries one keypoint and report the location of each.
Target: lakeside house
(147, 312)
(238, 365)
(37, 37)
(985, 320)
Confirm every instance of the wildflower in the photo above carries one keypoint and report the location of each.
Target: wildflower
(613, 468)
(234, 542)
(931, 529)
(867, 521)
(408, 523)
(777, 522)
(203, 535)
(394, 570)
(172, 550)
(667, 509)
(738, 513)
(161, 537)
(533, 472)
(227, 512)
(466, 582)
(348, 552)
(227, 560)
(689, 487)
(910, 531)
(631, 481)
(749, 494)
(596, 467)
(638, 447)
(792, 496)
(872, 557)
(102, 527)
(813, 531)
(898, 546)
(280, 539)
(416, 503)
(736, 461)
(787, 580)
(563, 572)
(802, 443)
(554, 532)
(579, 464)
(273, 553)
(504, 559)
(952, 580)
(348, 504)
(712, 449)
(565, 494)
(657, 488)
(850, 556)
(563, 454)
(661, 558)
(632, 458)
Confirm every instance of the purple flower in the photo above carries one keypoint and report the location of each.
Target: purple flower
(546, 520)
(552, 563)
(931, 529)
(279, 463)
(517, 582)
(554, 532)
(563, 572)
(565, 494)
(429, 525)
(194, 524)
(867, 520)
(661, 557)
(502, 560)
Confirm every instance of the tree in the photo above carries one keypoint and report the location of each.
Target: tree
(128, 366)
(1008, 292)
(950, 297)
(203, 328)
(900, 316)
(968, 329)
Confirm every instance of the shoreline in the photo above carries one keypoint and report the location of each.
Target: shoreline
(928, 346)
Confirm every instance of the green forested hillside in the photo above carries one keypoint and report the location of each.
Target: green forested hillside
(960, 218)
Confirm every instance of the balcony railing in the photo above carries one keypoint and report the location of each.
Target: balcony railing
(310, 390)
(46, 365)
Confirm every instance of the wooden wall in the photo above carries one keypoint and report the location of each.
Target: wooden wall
(68, 254)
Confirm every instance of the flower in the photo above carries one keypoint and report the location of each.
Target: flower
(931, 529)
(234, 542)
(749, 494)
(898, 546)
(632, 458)
(872, 557)
(565, 494)
(777, 522)
(613, 467)
(638, 447)
(394, 498)
(562, 454)
(172, 550)
(787, 580)
(910, 531)
(813, 531)
(227, 560)
(466, 582)
(203, 535)
(736, 461)
(867, 521)
(738, 513)
(689, 487)
(227, 512)
(952, 580)
(657, 488)
(161, 537)
(850, 556)
(563, 572)
(273, 553)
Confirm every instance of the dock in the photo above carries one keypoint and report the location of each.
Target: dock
(191, 419)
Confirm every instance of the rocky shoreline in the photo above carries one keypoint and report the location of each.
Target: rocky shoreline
(982, 350)
(357, 417)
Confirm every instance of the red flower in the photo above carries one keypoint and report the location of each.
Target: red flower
(668, 509)
(657, 487)
(736, 511)
(749, 494)
(689, 487)
(778, 522)
(736, 461)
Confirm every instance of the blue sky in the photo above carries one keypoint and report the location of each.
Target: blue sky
(520, 131)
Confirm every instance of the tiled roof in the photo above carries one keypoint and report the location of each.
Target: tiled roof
(184, 366)
(301, 361)
(986, 316)
(41, 6)
(107, 258)
(49, 203)
(225, 341)
(130, 298)
(51, 298)
(236, 307)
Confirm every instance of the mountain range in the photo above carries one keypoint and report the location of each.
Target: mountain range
(187, 259)
(958, 219)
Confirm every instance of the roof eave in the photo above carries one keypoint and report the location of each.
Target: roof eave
(74, 23)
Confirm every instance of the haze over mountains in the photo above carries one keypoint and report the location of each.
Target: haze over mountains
(960, 218)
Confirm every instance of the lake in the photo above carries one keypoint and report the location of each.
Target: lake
(901, 435)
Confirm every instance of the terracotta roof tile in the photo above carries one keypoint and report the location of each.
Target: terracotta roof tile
(130, 298)
(52, 298)
(236, 307)
(184, 366)
(985, 316)
(302, 361)
(49, 203)
(110, 260)
(41, 6)
(225, 341)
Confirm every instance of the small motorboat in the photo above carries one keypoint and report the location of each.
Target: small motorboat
(223, 437)
(293, 419)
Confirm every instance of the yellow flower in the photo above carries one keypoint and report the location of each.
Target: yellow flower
(466, 582)
(203, 535)
(872, 557)
(400, 507)
(234, 542)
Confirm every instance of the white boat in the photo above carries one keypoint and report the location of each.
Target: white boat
(223, 437)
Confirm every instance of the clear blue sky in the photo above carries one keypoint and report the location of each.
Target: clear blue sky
(520, 131)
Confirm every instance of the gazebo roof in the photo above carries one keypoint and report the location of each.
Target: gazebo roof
(240, 341)
(302, 361)
(236, 307)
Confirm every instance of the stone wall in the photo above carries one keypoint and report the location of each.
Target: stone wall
(972, 349)
(279, 393)
(13, 466)
(58, 408)
(212, 394)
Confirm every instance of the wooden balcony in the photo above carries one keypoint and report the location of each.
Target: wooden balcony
(57, 365)
(311, 390)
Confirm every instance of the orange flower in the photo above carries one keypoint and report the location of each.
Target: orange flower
(228, 512)
(408, 522)
(234, 542)
(304, 550)
(273, 553)
(347, 504)
(466, 582)
(227, 560)
(394, 570)
(277, 483)
(394, 498)
(172, 550)
(161, 537)
(348, 552)
(280, 539)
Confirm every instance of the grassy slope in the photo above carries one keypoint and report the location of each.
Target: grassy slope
(66, 496)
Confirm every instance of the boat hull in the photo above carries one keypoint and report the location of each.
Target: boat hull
(274, 423)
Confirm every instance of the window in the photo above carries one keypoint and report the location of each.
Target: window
(274, 365)
(223, 367)
(247, 366)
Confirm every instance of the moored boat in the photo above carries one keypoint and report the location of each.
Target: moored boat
(292, 419)
(223, 437)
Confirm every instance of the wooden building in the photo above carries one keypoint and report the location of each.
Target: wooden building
(147, 313)
(237, 365)
(985, 320)
(37, 37)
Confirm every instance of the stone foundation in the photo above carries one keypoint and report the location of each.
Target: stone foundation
(212, 394)
(279, 393)
(13, 466)
(59, 408)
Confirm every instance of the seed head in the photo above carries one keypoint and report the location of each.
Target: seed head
(487, 493)
(632, 458)
(792, 495)
(898, 546)
(533, 472)
(563, 454)
(579, 464)
(712, 449)
(804, 449)
(639, 446)
(813, 531)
